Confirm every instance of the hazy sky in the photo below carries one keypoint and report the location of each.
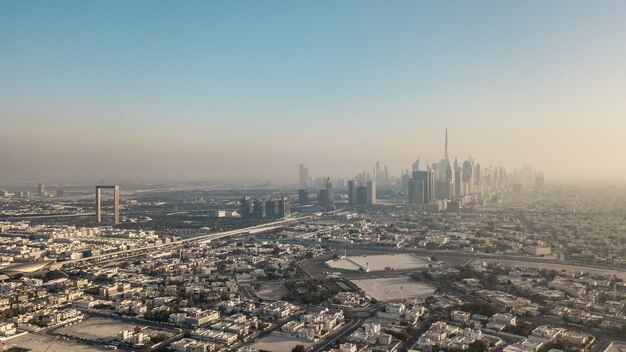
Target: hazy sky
(244, 89)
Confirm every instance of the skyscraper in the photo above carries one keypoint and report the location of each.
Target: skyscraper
(386, 175)
(468, 177)
(304, 176)
(259, 209)
(42, 190)
(303, 197)
(371, 192)
(416, 191)
(446, 151)
(352, 189)
(283, 207)
(425, 182)
(246, 207)
(457, 182)
(361, 194)
(330, 194)
(416, 165)
(405, 181)
(377, 173)
(322, 198)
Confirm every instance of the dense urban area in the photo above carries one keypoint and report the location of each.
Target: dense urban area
(491, 262)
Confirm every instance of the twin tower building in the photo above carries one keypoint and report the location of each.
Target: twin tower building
(359, 194)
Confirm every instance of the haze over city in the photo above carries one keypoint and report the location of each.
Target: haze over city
(155, 90)
(312, 176)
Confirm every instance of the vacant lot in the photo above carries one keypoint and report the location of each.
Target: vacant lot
(38, 343)
(273, 291)
(380, 262)
(279, 343)
(96, 328)
(387, 289)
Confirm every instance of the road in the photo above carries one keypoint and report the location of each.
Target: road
(175, 244)
(420, 329)
(442, 254)
(354, 325)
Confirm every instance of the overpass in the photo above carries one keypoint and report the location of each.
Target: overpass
(202, 239)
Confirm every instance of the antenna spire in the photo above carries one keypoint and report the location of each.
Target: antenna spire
(446, 156)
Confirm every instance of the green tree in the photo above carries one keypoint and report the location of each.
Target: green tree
(298, 348)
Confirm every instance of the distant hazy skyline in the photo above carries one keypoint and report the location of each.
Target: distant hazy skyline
(200, 90)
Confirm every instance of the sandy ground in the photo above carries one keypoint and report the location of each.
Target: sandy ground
(557, 267)
(38, 343)
(96, 328)
(343, 264)
(386, 289)
(272, 291)
(380, 262)
(279, 343)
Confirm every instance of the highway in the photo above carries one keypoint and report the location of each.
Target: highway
(348, 329)
(505, 258)
(198, 239)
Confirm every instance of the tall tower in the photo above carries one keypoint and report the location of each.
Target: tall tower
(446, 155)
(371, 192)
(116, 203)
(304, 176)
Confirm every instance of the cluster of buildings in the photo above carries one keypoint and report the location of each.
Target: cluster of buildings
(361, 194)
(42, 191)
(543, 335)
(264, 208)
(22, 242)
(315, 324)
(213, 290)
(446, 336)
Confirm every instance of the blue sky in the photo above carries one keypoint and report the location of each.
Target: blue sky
(211, 89)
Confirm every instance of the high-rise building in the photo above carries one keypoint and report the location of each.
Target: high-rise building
(377, 173)
(468, 177)
(304, 176)
(446, 150)
(283, 207)
(443, 189)
(303, 197)
(539, 181)
(416, 165)
(527, 175)
(428, 188)
(271, 208)
(405, 181)
(330, 194)
(42, 190)
(116, 203)
(457, 182)
(371, 192)
(259, 208)
(361, 194)
(246, 207)
(322, 198)
(416, 191)
(449, 173)
(352, 189)
(478, 182)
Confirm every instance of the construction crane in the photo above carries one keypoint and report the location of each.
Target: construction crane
(51, 343)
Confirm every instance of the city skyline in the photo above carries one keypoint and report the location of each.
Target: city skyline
(312, 176)
(236, 90)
